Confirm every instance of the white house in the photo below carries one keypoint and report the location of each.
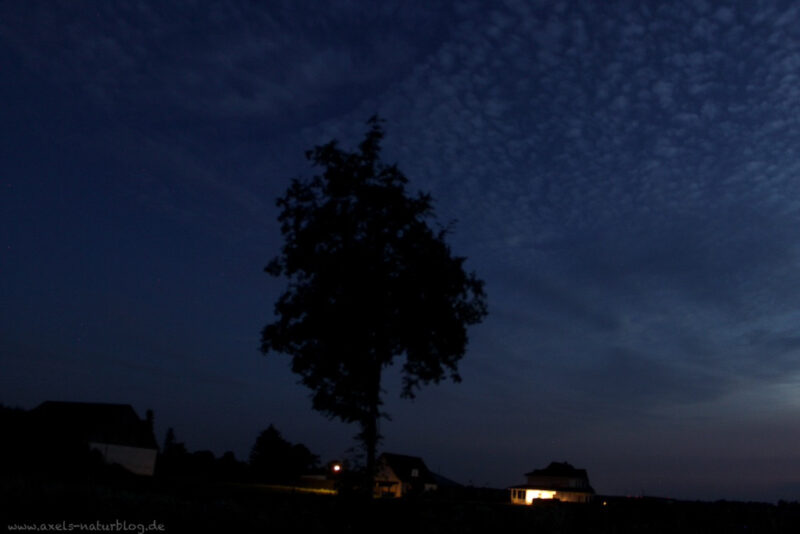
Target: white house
(558, 481)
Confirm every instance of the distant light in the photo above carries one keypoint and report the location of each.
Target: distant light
(336, 468)
(605, 503)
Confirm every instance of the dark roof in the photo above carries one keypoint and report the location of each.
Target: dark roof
(403, 466)
(559, 469)
(115, 424)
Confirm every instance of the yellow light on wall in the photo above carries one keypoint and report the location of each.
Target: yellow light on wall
(532, 494)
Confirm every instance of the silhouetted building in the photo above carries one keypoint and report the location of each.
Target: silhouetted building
(558, 481)
(115, 430)
(398, 475)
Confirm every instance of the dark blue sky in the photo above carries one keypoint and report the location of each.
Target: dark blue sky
(625, 176)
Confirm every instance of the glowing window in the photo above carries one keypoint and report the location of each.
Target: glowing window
(532, 494)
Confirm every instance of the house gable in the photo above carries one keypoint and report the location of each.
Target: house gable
(398, 475)
(558, 481)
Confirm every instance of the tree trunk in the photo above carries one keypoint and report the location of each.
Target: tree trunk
(369, 434)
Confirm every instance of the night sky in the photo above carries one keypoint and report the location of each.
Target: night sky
(625, 177)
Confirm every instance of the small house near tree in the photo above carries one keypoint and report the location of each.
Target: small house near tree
(558, 481)
(114, 430)
(398, 475)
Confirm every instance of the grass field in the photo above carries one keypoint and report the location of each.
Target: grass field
(150, 505)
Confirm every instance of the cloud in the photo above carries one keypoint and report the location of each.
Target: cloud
(643, 167)
(224, 61)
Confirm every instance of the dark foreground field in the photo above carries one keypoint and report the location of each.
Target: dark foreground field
(156, 506)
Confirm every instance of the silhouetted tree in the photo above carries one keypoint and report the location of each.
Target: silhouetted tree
(228, 468)
(369, 280)
(275, 459)
(203, 464)
(169, 439)
(149, 420)
(174, 459)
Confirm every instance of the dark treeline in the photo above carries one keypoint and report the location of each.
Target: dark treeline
(57, 449)
(273, 459)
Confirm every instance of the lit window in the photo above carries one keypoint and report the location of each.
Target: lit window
(532, 494)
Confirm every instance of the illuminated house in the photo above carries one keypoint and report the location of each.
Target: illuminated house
(112, 429)
(558, 481)
(398, 475)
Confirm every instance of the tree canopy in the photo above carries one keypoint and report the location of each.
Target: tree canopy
(273, 459)
(369, 280)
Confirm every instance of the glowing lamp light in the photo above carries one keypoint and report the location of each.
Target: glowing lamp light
(530, 495)
(336, 468)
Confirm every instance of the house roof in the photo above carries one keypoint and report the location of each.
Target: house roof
(559, 469)
(403, 466)
(115, 424)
